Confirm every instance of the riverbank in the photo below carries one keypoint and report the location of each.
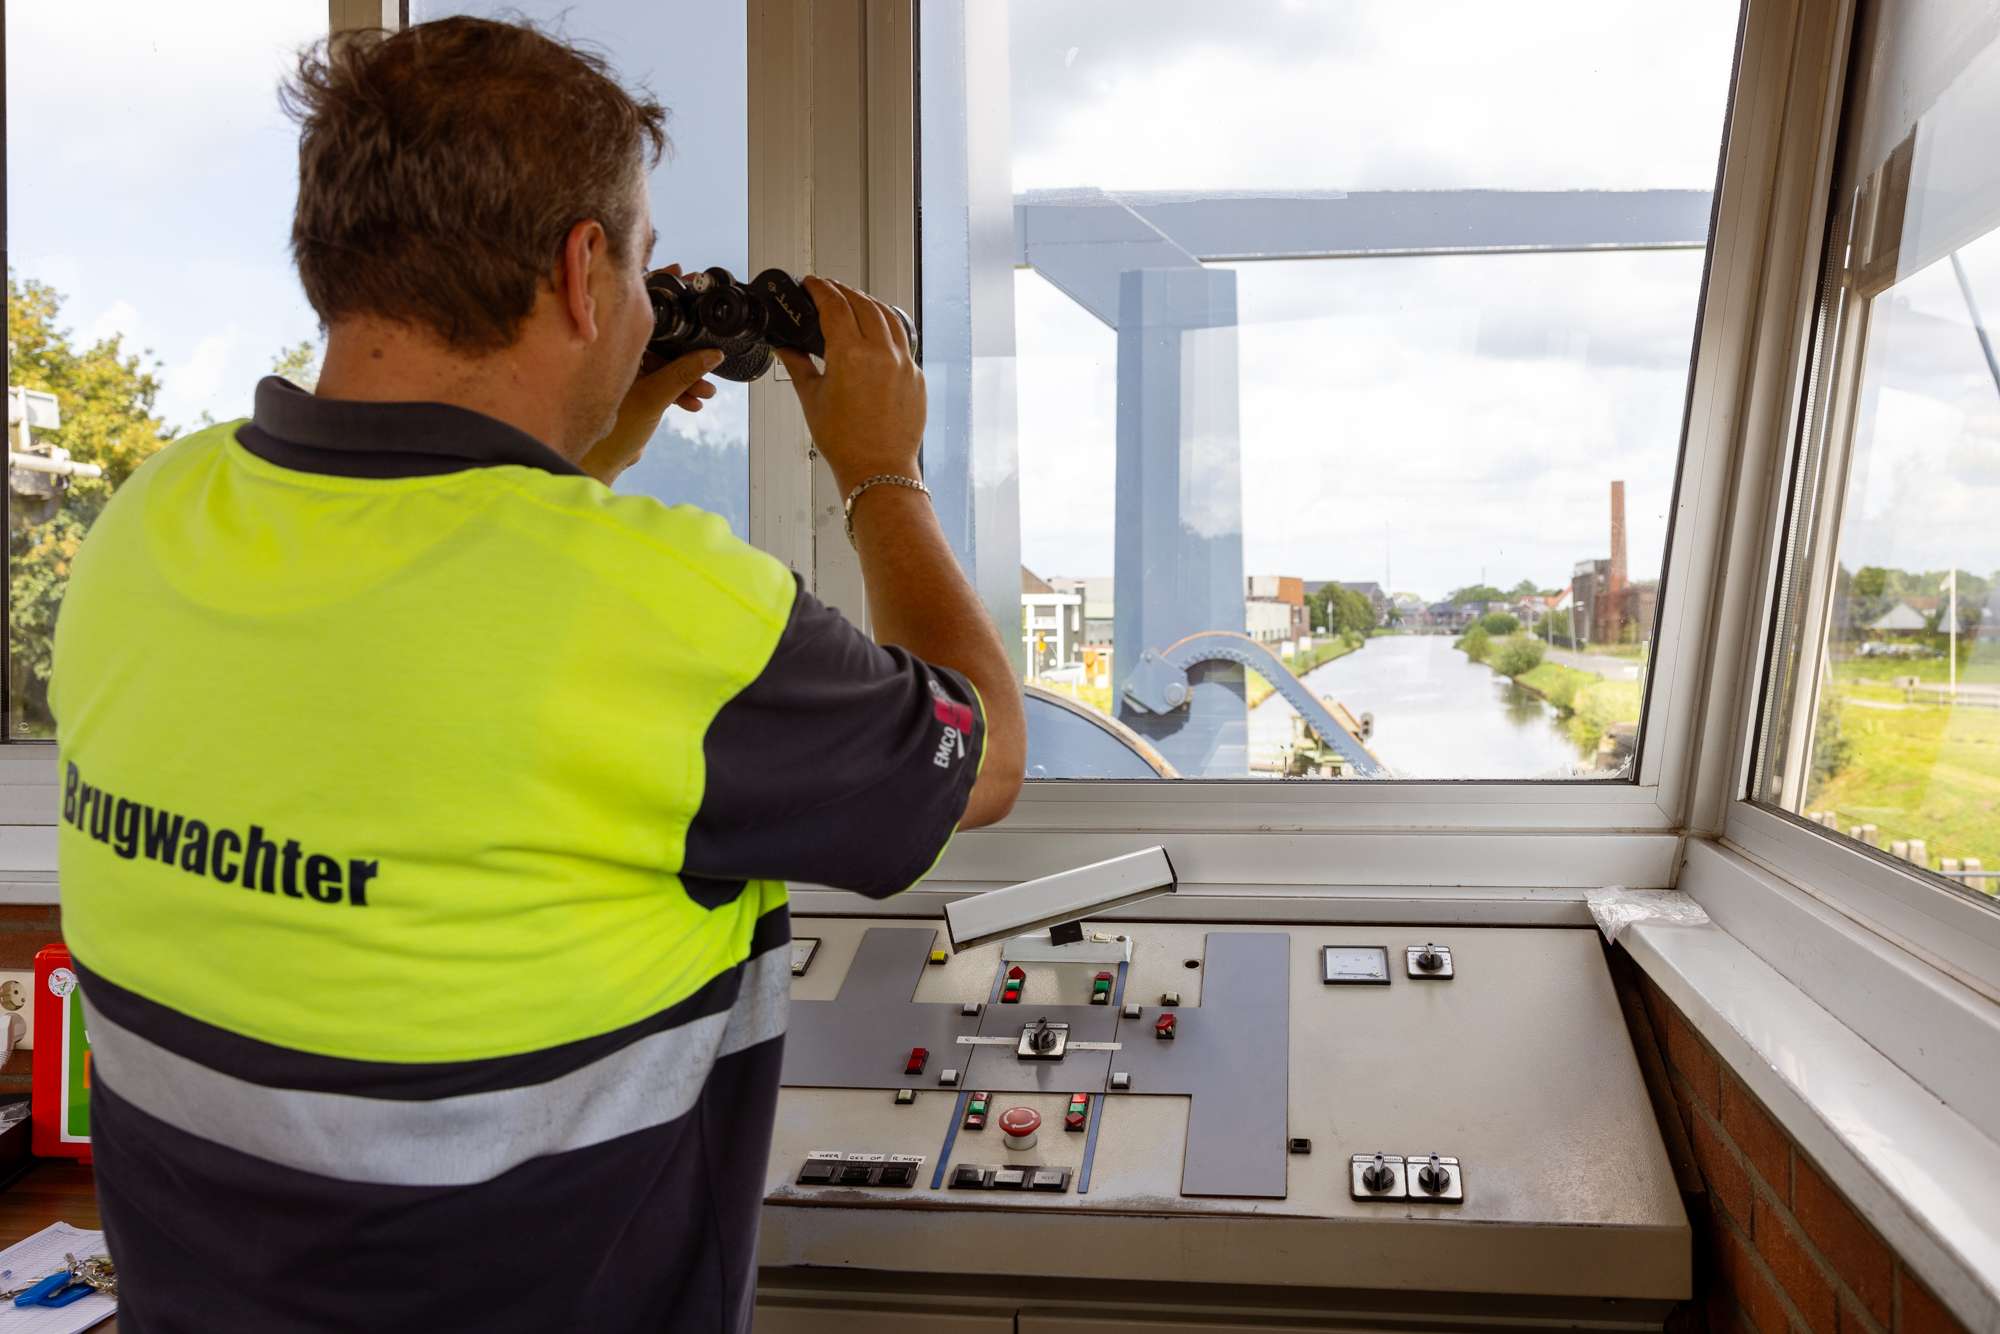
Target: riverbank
(1589, 704)
(1257, 689)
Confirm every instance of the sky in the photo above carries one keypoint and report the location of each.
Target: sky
(1421, 422)
(1425, 422)
(151, 176)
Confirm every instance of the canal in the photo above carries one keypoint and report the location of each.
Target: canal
(1437, 713)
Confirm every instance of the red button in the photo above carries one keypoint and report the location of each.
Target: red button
(1017, 973)
(1103, 977)
(1164, 1026)
(915, 1065)
(1074, 1121)
(1083, 1098)
(1018, 1121)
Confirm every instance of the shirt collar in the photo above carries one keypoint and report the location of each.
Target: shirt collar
(296, 429)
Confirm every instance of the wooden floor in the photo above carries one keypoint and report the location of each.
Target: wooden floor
(53, 1191)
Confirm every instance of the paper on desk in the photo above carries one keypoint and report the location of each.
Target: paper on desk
(38, 1257)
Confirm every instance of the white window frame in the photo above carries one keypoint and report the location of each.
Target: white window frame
(1911, 911)
(1502, 836)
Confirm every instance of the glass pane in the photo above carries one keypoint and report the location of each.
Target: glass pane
(1883, 719)
(691, 56)
(1335, 349)
(149, 207)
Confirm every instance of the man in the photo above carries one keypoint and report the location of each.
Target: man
(426, 805)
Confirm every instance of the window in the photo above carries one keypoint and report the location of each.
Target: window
(149, 202)
(1332, 360)
(1881, 720)
(691, 56)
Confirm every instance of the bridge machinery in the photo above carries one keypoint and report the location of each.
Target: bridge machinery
(1142, 1124)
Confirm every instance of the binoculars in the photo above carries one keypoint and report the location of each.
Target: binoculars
(743, 321)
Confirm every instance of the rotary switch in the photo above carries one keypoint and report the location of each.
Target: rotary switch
(1020, 1124)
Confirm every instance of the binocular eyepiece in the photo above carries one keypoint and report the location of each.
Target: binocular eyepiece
(743, 321)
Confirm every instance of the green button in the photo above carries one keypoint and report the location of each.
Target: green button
(978, 1107)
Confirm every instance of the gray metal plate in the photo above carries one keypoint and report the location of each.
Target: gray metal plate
(1232, 1055)
(862, 1038)
(1001, 1069)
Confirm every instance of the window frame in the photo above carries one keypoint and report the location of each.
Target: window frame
(1909, 908)
(832, 134)
(1586, 833)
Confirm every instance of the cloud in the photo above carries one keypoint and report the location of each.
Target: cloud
(1374, 95)
(1466, 412)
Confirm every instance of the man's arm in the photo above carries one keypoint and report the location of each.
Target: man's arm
(866, 413)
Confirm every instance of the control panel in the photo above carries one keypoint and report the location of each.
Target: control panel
(1320, 1108)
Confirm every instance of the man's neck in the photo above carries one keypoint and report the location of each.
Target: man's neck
(377, 361)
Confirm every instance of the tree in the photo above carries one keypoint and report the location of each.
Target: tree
(1516, 655)
(1339, 610)
(1476, 643)
(1498, 623)
(299, 363)
(1525, 589)
(1476, 593)
(106, 397)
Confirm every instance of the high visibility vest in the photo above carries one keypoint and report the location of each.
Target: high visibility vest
(426, 810)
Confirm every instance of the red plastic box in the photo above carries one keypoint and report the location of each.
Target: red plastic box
(61, 1108)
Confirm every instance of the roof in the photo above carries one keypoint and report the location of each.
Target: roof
(1902, 616)
(1033, 583)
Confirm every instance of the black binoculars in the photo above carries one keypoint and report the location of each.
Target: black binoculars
(743, 321)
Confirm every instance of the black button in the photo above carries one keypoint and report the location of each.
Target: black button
(898, 1174)
(1301, 1146)
(967, 1177)
(817, 1173)
(855, 1174)
(1049, 1178)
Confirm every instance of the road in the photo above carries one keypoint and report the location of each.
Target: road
(1610, 668)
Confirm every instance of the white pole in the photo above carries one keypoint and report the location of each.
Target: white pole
(1954, 633)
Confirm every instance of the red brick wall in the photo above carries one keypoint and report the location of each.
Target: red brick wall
(1780, 1250)
(24, 928)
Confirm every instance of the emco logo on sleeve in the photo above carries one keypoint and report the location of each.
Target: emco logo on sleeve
(957, 721)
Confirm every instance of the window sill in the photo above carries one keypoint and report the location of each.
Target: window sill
(1922, 1171)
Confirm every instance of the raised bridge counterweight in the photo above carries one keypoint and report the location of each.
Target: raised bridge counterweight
(1159, 685)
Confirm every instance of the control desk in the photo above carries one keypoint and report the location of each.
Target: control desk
(1262, 1124)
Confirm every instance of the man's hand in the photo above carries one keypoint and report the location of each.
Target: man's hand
(866, 409)
(866, 412)
(677, 384)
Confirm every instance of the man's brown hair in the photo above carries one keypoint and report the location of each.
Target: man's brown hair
(442, 167)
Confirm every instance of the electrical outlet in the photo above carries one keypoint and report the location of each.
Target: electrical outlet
(17, 996)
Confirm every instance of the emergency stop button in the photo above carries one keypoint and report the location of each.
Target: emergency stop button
(1020, 1125)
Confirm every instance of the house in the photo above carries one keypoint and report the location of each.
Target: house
(1097, 606)
(1051, 626)
(1282, 590)
(1901, 619)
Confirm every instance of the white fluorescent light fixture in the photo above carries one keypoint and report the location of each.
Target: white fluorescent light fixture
(1057, 899)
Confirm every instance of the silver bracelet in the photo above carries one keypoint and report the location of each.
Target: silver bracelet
(879, 479)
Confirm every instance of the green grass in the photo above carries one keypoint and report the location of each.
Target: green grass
(1980, 668)
(1259, 690)
(1928, 773)
(1632, 651)
(1556, 683)
(1599, 705)
(1590, 703)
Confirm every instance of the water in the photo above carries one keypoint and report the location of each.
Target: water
(1437, 713)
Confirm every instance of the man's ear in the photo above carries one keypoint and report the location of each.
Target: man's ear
(585, 251)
